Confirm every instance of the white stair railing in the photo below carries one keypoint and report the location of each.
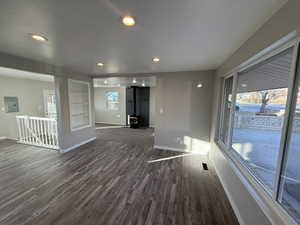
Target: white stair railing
(38, 131)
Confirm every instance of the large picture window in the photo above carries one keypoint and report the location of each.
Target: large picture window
(259, 114)
(289, 194)
(80, 103)
(260, 125)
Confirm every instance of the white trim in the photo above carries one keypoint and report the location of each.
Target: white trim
(78, 145)
(108, 127)
(177, 149)
(112, 123)
(232, 110)
(222, 108)
(90, 104)
(37, 118)
(169, 148)
(58, 110)
(291, 103)
(9, 138)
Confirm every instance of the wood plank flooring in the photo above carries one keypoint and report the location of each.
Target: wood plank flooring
(119, 179)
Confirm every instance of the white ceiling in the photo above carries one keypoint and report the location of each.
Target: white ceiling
(185, 34)
(19, 74)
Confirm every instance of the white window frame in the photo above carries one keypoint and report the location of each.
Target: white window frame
(70, 81)
(253, 184)
(221, 118)
(107, 102)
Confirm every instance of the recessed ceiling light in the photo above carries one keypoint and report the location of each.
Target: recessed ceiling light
(128, 21)
(156, 59)
(100, 64)
(38, 37)
(199, 85)
(134, 81)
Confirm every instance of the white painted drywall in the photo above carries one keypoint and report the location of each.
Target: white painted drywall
(183, 111)
(286, 20)
(102, 115)
(31, 101)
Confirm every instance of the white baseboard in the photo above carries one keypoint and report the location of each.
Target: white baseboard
(9, 138)
(78, 145)
(108, 127)
(112, 123)
(177, 149)
(169, 148)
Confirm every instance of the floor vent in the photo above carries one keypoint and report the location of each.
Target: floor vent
(204, 165)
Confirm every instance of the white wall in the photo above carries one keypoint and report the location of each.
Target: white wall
(152, 106)
(183, 111)
(249, 211)
(31, 101)
(102, 115)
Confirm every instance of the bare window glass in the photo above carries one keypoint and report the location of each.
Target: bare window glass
(112, 101)
(289, 194)
(224, 120)
(259, 114)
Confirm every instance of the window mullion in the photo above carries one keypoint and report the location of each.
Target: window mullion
(221, 116)
(232, 111)
(290, 105)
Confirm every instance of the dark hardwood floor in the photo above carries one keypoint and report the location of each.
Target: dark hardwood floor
(119, 179)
